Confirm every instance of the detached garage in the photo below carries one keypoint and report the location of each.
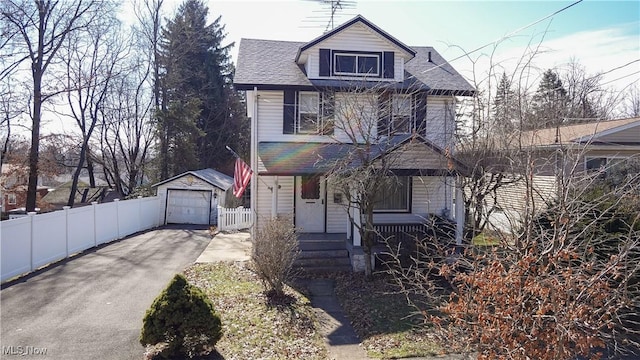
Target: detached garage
(193, 197)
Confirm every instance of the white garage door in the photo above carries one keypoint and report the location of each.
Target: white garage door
(188, 207)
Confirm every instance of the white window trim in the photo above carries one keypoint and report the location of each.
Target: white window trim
(356, 55)
(299, 117)
(394, 114)
(11, 199)
(321, 120)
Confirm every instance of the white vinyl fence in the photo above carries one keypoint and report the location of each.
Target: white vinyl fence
(234, 219)
(34, 241)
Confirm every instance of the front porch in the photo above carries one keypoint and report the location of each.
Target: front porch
(337, 251)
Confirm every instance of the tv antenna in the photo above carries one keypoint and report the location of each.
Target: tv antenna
(331, 9)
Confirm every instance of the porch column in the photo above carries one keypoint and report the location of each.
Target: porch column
(274, 198)
(357, 219)
(459, 212)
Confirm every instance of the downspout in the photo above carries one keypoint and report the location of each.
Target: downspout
(459, 211)
(274, 198)
(254, 162)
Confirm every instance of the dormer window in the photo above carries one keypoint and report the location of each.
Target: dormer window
(356, 64)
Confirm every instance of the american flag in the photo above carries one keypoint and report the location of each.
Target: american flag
(241, 177)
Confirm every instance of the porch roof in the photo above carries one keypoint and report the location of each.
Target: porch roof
(412, 156)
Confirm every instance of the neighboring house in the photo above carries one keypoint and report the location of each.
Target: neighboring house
(193, 197)
(13, 187)
(570, 151)
(297, 94)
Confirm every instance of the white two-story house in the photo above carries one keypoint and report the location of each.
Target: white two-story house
(313, 104)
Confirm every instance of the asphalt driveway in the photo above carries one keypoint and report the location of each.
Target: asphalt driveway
(91, 307)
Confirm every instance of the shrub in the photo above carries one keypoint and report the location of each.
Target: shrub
(275, 249)
(182, 318)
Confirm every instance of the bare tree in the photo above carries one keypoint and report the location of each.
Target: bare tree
(631, 102)
(127, 129)
(561, 277)
(43, 27)
(92, 59)
(381, 132)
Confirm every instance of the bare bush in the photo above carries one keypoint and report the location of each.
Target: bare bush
(562, 284)
(275, 249)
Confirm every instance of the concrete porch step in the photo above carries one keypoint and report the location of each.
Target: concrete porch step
(322, 262)
(318, 245)
(326, 269)
(333, 253)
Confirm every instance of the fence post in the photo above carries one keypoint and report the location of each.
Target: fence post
(139, 213)
(66, 230)
(95, 223)
(117, 201)
(31, 215)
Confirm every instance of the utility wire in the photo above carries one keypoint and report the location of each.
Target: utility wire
(615, 68)
(622, 77)
(509, 34)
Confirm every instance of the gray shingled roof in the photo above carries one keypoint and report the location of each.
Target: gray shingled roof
(211, 176)
(270, 64)
(296, 158)
(299, 158)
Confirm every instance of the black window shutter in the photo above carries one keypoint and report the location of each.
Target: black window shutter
(420, 108)
(328, 103)
(289, 112)
(325, 62)
(384, 113)
(388, 64)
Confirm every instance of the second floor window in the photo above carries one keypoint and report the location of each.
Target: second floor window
(396, 113)
(401, 112)
(315, 113)
(356, 64)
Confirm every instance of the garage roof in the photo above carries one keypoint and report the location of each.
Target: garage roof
(211, 176)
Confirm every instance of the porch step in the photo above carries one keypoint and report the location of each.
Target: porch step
(324, 254)
(310, 262)
(318, 245)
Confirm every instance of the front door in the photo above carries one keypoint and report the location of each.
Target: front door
(310, 199)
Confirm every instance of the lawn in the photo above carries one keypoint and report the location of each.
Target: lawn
(254, 327)
(382, 318)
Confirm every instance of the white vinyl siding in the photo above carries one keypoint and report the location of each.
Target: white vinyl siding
(285, 196)
(432, 194)
(440, 121)
(271, 118)
(264, 198)
(512, 200)
(356, 38)
(337, 218)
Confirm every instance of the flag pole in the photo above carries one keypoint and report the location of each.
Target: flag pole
(233, 152)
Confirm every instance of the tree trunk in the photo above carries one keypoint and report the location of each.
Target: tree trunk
(32, 186)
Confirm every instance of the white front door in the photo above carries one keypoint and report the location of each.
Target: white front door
(310, 207)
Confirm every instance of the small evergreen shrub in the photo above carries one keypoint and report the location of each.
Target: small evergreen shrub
(183, 318)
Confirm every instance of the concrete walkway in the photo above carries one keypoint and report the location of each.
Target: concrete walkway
(233, 246)
(340, 338)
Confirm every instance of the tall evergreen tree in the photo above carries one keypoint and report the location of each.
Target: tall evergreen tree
(197, 67)
(549, 102)
(505, 108)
